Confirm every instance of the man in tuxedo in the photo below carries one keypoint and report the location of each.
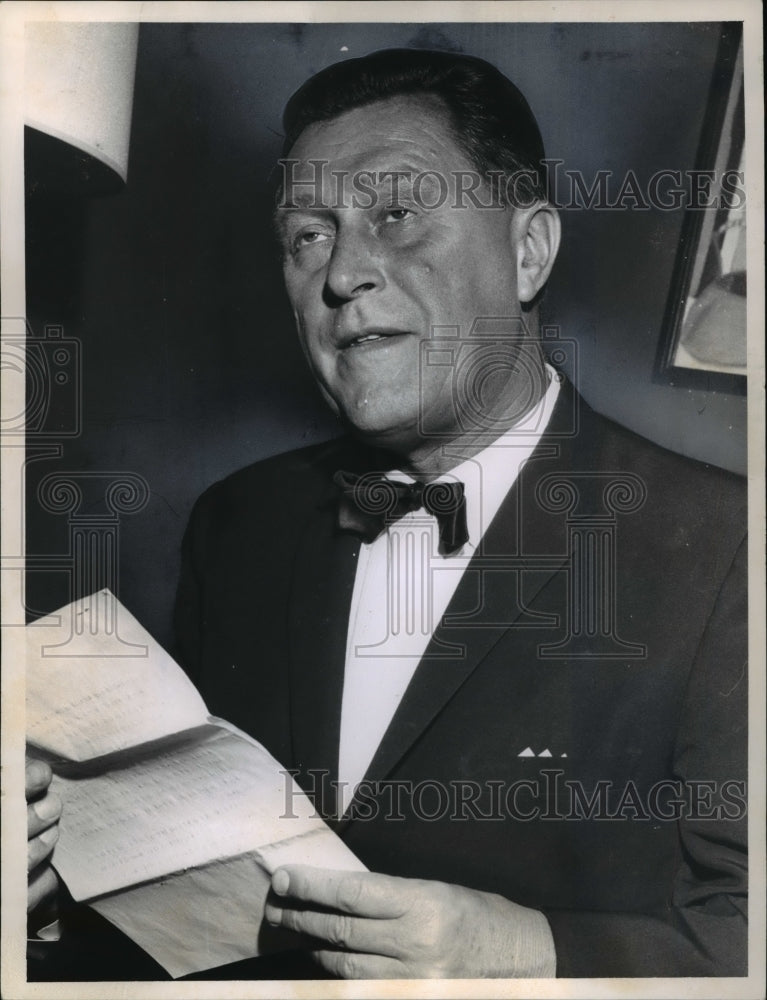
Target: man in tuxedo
(499, 639)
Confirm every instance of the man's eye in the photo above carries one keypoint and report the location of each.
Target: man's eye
(309, 238)
(397, 214)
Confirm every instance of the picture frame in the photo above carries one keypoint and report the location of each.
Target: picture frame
(703, 339)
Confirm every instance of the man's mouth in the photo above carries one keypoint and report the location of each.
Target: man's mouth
(370, 337)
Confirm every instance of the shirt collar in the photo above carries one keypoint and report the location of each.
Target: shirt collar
(490, 474)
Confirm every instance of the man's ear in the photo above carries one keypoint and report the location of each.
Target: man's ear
(536, 232)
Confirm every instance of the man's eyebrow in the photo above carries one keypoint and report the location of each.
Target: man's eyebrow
(300, 199)
(303, 191)
(381, 181)
(285, 216)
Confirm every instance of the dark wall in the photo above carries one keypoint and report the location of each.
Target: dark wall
(190, 364)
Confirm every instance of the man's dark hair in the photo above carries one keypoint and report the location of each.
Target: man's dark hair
(490, 119)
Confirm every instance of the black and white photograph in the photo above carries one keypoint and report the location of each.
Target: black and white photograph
(383, 499)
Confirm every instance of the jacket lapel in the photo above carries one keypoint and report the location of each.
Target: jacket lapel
(323, 581)
(523, 548)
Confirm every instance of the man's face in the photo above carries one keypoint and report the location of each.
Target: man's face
(369, 281)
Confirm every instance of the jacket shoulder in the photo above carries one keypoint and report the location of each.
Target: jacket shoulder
(669, 471)
(276, 490)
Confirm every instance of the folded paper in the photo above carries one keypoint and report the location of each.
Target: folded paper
(173, 820)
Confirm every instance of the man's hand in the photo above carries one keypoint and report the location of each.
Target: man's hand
(43, 812)
(373, 926)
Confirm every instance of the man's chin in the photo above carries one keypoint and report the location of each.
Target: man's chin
(378, 432)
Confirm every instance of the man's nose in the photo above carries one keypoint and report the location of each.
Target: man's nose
(354, 268)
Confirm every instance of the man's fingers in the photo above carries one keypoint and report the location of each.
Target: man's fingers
(349, 965)
(39, 848)
(42, 814)
(42, 886)
(341, 930)
(364, 894)
(37, 777)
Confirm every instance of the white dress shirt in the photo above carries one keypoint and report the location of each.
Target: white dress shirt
(403, 586)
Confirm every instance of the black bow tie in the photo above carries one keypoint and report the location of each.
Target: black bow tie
(371, 502)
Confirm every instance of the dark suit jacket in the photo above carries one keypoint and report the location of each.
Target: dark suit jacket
(604, 619)
(603, 622)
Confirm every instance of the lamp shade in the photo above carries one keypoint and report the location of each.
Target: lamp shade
(79, 87)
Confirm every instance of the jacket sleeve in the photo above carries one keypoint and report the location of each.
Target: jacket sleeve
(188, 612)
(703, 930)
